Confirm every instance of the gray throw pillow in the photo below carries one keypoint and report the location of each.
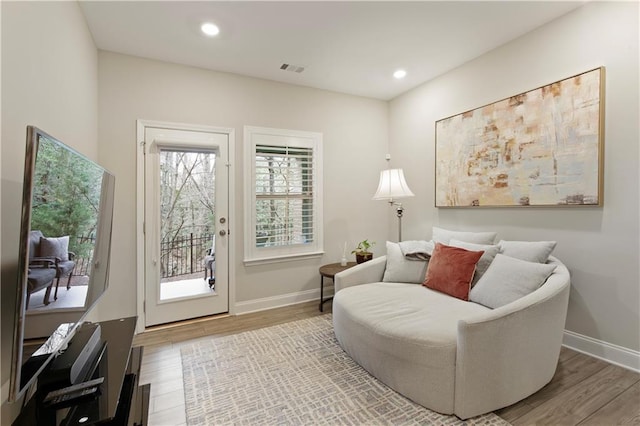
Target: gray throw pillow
(507, 280)
(531, 251)
(399, 269)
(417, 249)
(490, 252)
(55, 247)
(444, 236)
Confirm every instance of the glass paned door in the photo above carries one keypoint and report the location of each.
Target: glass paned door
(186, 205)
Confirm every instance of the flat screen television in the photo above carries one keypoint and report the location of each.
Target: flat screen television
(64, 251)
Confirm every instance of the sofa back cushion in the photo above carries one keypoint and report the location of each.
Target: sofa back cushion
(531, 251)
(34, 244)
(445, 236)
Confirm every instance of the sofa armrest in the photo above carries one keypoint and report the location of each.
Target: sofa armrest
(367, 272)
(44, 262)
(506, 354)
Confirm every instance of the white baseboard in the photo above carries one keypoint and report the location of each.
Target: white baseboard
(256, 305)
(608, 352)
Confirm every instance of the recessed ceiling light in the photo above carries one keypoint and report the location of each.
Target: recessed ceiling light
(400, 74)
(210, 29)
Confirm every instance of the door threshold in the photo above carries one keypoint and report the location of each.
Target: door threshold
(181, 323)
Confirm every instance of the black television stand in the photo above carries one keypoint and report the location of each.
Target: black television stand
(118, 401)
(77, 361)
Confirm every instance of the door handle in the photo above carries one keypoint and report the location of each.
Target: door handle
(223, 233)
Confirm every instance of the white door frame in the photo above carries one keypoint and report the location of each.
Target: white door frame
(233, 226)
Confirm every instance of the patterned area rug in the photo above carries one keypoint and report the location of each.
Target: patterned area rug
(293, 374)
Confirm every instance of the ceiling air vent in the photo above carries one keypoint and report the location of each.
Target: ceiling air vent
(292, 68)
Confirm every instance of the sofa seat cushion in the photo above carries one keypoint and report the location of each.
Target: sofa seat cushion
(407, 314)
(405, 335)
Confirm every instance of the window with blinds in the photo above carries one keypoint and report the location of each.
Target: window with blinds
(285, 194)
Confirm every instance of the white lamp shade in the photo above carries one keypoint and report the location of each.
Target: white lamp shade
(392, 185)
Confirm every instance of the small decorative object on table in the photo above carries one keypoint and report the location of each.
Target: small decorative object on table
(362, 251)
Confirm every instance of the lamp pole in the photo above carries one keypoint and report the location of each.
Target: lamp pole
(399, 212)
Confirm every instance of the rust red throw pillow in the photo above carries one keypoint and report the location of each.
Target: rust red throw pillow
(451, 270)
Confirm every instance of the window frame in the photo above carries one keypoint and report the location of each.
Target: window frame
(254, 136)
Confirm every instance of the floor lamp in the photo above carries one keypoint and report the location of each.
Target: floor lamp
(392, 186)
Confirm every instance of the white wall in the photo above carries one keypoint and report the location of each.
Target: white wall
(355, 142)
(600, 246)
(49, 79)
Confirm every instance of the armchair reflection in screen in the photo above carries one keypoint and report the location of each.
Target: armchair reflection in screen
(49, 259)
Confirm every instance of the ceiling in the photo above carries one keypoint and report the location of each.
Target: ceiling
(347, 47)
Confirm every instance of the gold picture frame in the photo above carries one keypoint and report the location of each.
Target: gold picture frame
(540, 148)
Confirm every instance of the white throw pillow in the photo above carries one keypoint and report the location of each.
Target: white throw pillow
(55, 247)
(490, 252)
(531, 251)
(507, 280)
(399, 269)
(444, 236)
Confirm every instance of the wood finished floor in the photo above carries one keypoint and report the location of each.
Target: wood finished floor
(584, 391)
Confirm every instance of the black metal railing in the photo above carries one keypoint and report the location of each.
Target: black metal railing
(183, 254)
(84, 256)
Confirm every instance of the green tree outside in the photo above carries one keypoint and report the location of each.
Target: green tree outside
(66, 195)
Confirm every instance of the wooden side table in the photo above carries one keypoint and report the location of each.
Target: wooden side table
(330, 271)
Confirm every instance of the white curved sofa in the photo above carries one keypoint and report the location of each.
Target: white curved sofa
(449, 355)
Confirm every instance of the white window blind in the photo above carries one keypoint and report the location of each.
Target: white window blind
(284, 195)
(284, 201)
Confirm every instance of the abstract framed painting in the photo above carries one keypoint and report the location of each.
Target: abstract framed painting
(540, 148)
